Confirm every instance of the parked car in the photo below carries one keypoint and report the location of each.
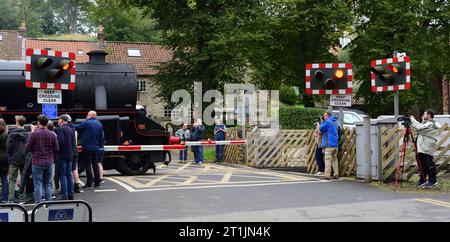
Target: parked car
(350, 117)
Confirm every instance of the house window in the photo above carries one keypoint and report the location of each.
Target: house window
(1, 38)
(134, 53)
(142, 86)
(80, 52)
(167, 112)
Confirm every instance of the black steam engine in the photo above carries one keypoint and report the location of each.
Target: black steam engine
(109, 89)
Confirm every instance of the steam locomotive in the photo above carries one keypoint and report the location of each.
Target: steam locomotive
(111, 90)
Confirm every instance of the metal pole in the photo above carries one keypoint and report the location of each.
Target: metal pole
(367, 149)
(341, 117)
(396, 104)
(396, 93)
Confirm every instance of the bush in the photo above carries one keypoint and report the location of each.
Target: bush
(288, 95)
(297, 117)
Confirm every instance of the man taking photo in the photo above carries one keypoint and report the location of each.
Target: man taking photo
(427, 133)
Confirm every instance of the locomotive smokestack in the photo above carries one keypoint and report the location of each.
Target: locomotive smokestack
(97, 57)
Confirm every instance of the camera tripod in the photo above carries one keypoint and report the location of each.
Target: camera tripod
(407, 137)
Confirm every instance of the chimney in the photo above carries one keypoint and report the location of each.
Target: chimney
(22, 29)
(97, 57)
(100, 37)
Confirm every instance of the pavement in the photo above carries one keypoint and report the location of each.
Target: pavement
(216, 192)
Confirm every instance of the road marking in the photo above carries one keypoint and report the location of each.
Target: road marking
(226, 178)
(181, 168)
(433, 201)
(207, 168)
(124, 185)
(188, 181)
(106, 190)
(130, 189)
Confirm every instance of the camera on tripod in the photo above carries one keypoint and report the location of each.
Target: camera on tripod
(406, 121)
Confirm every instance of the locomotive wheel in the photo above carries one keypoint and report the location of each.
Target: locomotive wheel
(134, 163)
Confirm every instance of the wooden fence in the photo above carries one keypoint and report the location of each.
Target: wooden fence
(391, 144)
(291, 148)
(233, 154)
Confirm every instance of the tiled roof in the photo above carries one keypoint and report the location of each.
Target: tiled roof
(151, 54)
(65, 45)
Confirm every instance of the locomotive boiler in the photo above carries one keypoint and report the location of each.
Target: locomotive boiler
(110, 90)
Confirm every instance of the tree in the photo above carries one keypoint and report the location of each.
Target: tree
(419, 28)
(69, 16)
(8, 15)
(212, 41)
(122, 22)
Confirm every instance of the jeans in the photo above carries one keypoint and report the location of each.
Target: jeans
(319, 159)
(90, 159)
(42, 179)
(5, 188)
(219, 152)
(199, 151)
(66, 179)
(183, 154)
(427, 168)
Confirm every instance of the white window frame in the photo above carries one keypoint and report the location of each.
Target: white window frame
(134, 53)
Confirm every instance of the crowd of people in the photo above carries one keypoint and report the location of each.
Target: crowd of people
(41, 161)
(196, 133)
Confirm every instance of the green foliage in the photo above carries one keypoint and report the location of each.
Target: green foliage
(122, 22)
(419, 28)
(288, 95)
(8, 15)
(299, 117)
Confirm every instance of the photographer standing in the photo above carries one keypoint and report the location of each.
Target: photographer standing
(330, 142)
(427, 133)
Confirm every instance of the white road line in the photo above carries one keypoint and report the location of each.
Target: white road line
(127, 187)
(229, 185)
(106, 190)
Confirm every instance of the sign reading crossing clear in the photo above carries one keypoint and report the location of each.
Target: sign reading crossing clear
(49, 96)
(341, 100)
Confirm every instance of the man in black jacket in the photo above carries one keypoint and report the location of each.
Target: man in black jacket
(17, 155)
(66, 137)
(197, 135)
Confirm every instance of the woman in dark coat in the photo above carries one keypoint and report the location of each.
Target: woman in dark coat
(4, 166)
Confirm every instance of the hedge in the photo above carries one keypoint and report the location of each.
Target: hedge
(297, 117)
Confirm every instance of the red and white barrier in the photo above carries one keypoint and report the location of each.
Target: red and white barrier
(169, 147)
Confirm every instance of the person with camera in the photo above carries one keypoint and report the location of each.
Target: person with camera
(427, 133)
(184, 134)
(319, 149)
(330, 142)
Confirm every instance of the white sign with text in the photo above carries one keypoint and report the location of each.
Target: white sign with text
(341, 100)
(48, 96)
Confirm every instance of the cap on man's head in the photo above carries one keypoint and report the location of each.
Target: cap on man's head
(65, 117)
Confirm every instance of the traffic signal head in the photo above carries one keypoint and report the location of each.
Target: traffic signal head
(335, 78)
(46, 69)
(390, 74)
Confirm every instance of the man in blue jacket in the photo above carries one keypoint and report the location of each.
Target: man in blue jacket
(91, 141)
(330, 142)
